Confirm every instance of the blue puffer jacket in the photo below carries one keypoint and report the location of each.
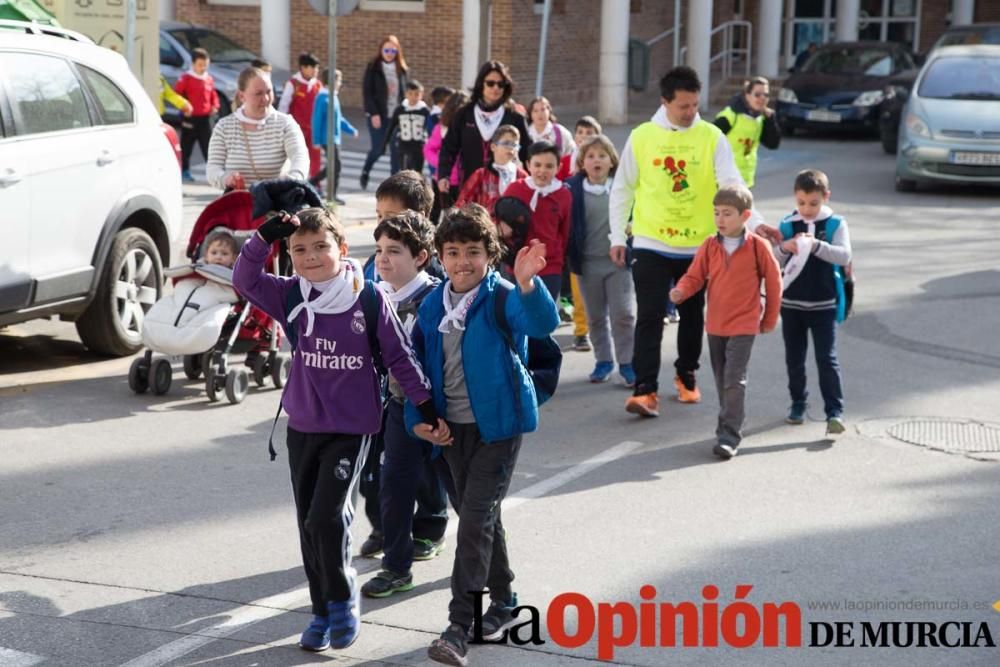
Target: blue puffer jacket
(500, 389)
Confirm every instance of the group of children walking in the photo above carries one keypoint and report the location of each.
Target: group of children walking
(453, 346)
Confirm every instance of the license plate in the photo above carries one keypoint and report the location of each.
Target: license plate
(982, 159)
(823, 116)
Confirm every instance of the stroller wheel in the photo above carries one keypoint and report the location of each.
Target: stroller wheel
(260, 369)
(138, 376)
(192, 366)
(280, 367)
(237, 385)
(161, 374)
(211, 384)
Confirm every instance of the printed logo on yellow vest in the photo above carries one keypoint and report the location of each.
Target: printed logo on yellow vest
(676, 171)
(747, 144)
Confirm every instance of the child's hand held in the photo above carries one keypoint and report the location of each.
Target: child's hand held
(676, 296)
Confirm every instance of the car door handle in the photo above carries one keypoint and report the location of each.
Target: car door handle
(105, 158)
(10, 177)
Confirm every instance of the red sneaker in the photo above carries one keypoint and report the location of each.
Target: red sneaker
(645, 405)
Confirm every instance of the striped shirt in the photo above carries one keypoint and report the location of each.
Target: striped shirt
(278, 142)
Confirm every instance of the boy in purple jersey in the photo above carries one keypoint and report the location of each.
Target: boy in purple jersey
(332, 398)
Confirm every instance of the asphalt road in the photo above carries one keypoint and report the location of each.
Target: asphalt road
(146, 530)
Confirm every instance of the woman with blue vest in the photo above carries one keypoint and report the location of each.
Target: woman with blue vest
(749, 123)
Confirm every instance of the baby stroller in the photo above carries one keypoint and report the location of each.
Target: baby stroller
(204, 320)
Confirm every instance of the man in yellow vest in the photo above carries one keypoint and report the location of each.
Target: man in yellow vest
(670, 170)
(748, 124)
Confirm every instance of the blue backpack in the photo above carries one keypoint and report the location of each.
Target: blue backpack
(544, 354)
(843, 276)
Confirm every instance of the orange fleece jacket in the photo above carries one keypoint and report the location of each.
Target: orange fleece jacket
(734, 285)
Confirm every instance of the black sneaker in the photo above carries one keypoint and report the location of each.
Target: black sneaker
(387, 582)
(450, 648)
(372, 546)
(338, 201)
(724, 451)
(426, 549)
(498, 619)
(363, 180)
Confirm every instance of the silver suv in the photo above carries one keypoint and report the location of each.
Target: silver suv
(90, 188)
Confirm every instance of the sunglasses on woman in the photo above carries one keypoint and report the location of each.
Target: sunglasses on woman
(509, 144)
(494, 83)
(390, 51)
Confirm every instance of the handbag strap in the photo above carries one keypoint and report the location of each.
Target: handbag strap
(246, 142)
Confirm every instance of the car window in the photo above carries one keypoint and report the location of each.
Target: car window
(169, 55)
(47, 96)
(963, 78)
(114, 106)
(182, 38)
(221, 48)
(870, 62)
(970, 36)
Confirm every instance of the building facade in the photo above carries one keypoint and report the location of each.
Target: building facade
(587, 39)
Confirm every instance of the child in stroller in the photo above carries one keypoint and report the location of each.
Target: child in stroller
(204, 319)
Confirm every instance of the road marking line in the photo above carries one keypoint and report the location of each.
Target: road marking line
(269, 607)
(11, 658)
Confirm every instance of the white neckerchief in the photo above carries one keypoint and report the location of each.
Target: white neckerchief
(803, 247)
(597, 188)
(548, 132)
(455, 315)
(507, 173)
(488, 121)
(301, 79)
(243, 118)
(401, 295)
(731, 245)
(339, 295)
(419, 105)
(201, 77)
(539, 191)
(824, 213)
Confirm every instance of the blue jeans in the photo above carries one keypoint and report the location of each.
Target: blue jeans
(408, 475)
(377, 136)
(795, 328)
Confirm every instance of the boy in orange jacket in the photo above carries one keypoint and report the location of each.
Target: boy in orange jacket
(734, 262)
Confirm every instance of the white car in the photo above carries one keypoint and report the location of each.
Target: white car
(90, 188)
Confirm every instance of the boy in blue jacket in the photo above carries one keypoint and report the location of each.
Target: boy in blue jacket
(475, 376)
(340, 126)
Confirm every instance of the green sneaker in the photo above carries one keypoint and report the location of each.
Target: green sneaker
(835, 426)
(426, 549)
(387, 582)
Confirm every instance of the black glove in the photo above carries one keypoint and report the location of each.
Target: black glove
(276, 228)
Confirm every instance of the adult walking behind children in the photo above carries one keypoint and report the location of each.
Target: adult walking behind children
(733, 262)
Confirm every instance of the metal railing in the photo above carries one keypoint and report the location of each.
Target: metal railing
(675, 32)
(730, 52)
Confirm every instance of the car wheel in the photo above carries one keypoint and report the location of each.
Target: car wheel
(890, 139)
(225, 108)
(787, 129)
(162, 375)
(905, 185)
(237, 385)
(131, 282)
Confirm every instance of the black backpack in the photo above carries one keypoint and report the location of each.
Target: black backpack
(544, 354)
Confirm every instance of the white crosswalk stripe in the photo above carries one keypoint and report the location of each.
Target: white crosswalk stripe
(11, 658)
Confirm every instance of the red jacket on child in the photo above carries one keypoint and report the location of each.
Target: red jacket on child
(483, 188)
(300, 100)
(200, 92)
(550, 222)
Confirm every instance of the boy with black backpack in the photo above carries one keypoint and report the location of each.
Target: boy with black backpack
(332, 397)
(457, 320)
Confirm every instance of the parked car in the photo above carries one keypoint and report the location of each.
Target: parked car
(90, 189)
(899, 87)
(841, 86)
(951, 123)
(228, 60)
